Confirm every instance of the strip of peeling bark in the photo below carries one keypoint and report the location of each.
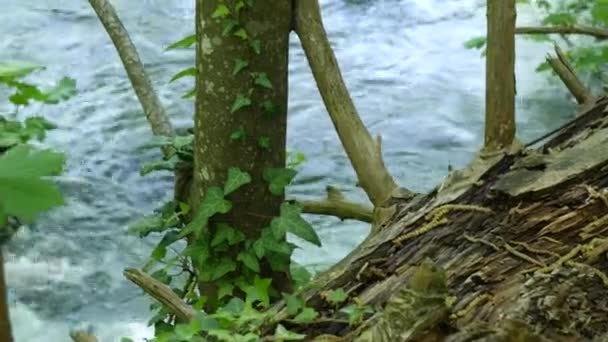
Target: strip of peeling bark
(81, 336)
(5, 322)
(566, 73)
(500, 75)
(363, 151)
(161, 293)
(153, 108)
(337, 205)
(596, 32)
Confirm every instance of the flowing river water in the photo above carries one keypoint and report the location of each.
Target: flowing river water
(403, 60)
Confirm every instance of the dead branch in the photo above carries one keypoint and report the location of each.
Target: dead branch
(596, 32)
(161, 293)
(337, 205)
(363, 151)
(566, 73)
(81, 336)
(153, 108)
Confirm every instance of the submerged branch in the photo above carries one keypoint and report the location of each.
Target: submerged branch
(363, 151)
(153, 108)
(596, 32)
(161, 293)
(566, 73)
(337, 205)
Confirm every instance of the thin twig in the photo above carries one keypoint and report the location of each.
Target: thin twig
(566, 73)
(153, 108)
(363, 151)
(161, 293)
(596, 32)
(337, 205)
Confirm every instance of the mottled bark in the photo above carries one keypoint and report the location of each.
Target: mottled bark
(524, 249)
(500, 75)
(5, 323)
(217, 88)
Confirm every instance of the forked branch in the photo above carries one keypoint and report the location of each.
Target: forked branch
(566, 73)
(363, 151)
(153, 108)
(337, 205)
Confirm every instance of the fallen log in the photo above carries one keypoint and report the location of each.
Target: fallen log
(516, 247)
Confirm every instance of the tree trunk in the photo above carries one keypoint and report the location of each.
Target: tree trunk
(5, 323)
(239, 123)
(500, 75)
(523, 245)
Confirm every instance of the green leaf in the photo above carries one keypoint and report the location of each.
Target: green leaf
(475, 43)
(264, 143)
(306, 316)
(14, 69)
(240, 101)
(189, 94)
(226, 233)
(147, 225)
(218, 269)
(559, 19)
(239, 6)
(183, 73)
(336, 296)
(256, 45)
(294, 303)
(249, 260)
(213, 203)
(258, 291)
(221, 11)
(599, 12)
(183, 43)
(63, 90)
(282, 334)
(239, 64)
(199, 252)
(269, 107)
(241, 33)
(299, 274)
(261, 79)
(239, 134)
(236, 179)
(258, 248)
(23, 190)
(159, 165)
(278, 179)
(229, 25)
(225, 289)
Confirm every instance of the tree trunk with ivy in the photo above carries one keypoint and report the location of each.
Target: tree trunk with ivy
(240, 125)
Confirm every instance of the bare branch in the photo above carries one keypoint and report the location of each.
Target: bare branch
(337, 205)
(161, 293)
(153, 108)
(363, 151)
(596, 32)
(500, 75)
(566, 73)
(81, 336)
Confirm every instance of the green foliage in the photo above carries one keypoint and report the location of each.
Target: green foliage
(185, 42)
(336, 296)
(278, 179)
(291, 221)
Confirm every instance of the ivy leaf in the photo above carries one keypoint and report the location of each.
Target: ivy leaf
(239, 6)
(249, 260)
(282, 334)
(63, 90)
(264, 143)
(236, 179)
(147, 225)
(239, 64)
(216, 270)
(241, 33)
(256, 45)
(213, 203)
(224, 290)
(14, 68)
(241, 101)
(306, 316)
(299, 274)
(291, 221)
(239, 134)
(199, 252)
(221, 11)
(559, 19)
(189, 94)
(268, 107)
(475, 43)
(294, 303)
(258, 291)
(229, 25)
(278, 179)
(186, 72)
(159, 165)
(336, 296)
(261, 79)
(276, 244)
(23, 190)
(258, 248)
(183, 43)
(226, 233)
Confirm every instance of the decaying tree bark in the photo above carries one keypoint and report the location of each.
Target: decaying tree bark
(523, 245)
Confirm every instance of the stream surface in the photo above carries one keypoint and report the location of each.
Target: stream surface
(403, 60)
